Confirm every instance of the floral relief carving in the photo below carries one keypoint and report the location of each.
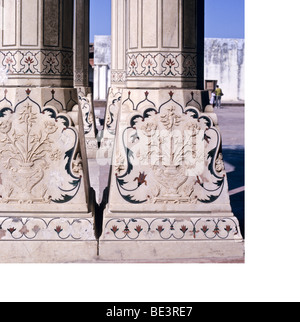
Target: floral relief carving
(31, 147)
(172, 157)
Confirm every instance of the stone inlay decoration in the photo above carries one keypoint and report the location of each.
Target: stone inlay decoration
(169, 156)
(162, 64)
(165, 229)
(37, 62)
(168, 189)
(38, 160)
(167, 152)
(31, 229)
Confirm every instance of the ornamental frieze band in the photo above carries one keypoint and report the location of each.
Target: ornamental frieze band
(37, 62)
(162, 64)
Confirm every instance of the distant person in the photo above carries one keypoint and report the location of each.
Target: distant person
(213, 99)
(219, 94)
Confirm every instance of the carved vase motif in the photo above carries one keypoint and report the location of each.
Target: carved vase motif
(35, 155)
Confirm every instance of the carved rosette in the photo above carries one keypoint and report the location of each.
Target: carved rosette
(38, 155)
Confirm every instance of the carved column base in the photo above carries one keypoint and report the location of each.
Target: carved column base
(45, 198)
(47, 239)
(168, 189)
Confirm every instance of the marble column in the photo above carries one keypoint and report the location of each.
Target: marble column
(118, 34)
(36, 43)
(162, 43)
(118, 83)
(168, 190)
(46, 204)
(81, 43)
(81, 75)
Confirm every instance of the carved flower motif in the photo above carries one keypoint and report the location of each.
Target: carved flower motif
(219, 163)
(56, 155)
(170, 119)
(149, 128)
(27, 116)
(5, 127)
(50, 127)
(77, 164)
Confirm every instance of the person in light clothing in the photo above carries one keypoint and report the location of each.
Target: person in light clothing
(219, 94)
(213, 99)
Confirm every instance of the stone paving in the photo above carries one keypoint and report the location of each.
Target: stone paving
(232, 125)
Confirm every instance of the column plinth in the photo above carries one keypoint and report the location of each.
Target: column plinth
(168, 190)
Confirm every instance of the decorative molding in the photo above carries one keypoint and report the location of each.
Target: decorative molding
(118, 76)
(168, 229)
(86, 104)
(37, 62)
(154, 64)
(45, 229)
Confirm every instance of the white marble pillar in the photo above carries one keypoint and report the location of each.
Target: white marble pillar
(81, 43)
(81, 74)
(103, 82)
(162, 43)
(117, 83)
(36, 45)
(118, 33)
(96, 90)
(46, 204)
(168, 191)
